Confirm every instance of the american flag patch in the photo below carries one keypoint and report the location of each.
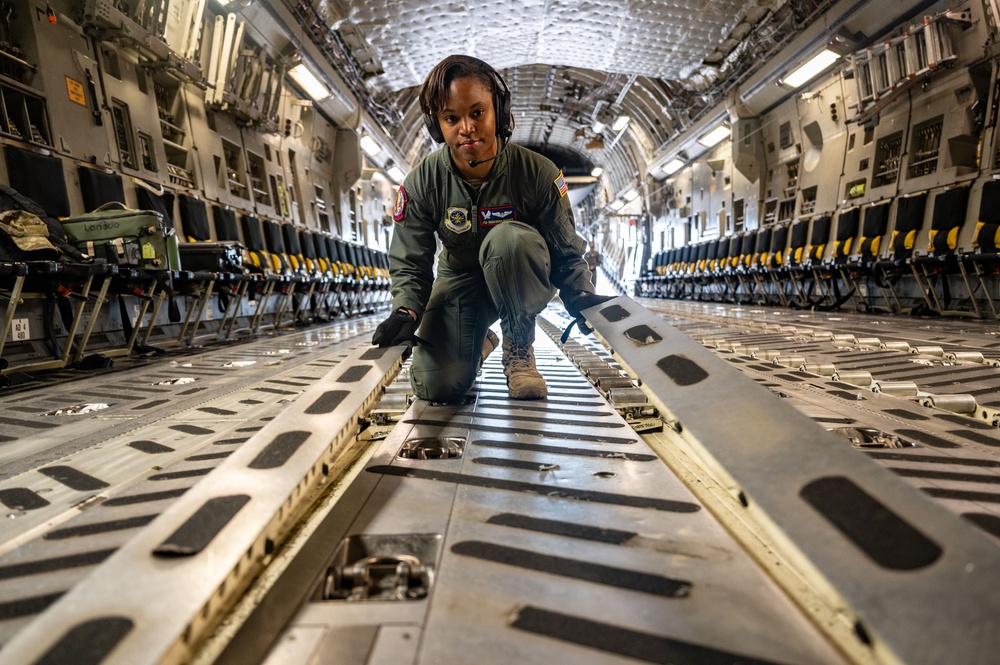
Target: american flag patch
(561, 184)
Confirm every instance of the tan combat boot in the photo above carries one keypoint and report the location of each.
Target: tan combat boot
(523, 380)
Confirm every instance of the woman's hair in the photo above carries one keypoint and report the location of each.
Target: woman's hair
(434, 91)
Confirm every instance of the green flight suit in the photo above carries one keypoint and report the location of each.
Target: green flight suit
(506, 248)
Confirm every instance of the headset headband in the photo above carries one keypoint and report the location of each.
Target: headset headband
(501, 108)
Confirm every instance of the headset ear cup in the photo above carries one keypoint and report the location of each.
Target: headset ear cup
(433, 128)
(502, 109)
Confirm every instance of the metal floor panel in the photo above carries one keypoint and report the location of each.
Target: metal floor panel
(563, 542)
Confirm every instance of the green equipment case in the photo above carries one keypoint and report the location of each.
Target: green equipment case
(138, 238)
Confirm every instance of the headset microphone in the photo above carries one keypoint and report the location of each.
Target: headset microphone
(476, 162)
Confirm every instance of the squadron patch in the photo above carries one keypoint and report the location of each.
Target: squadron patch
(493, 216)
(399, 209)
(457, 220)
(561, 184)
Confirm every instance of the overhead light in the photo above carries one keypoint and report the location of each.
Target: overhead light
(616, 205)
(396, 174)
(370, 145)
(631, 195)
(714, 136)
(621, 123)
(596, 173)
(673, 166)
(816, 64)
(306, 80)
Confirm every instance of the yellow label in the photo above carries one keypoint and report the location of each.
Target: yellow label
(75, 90)
(148, 251)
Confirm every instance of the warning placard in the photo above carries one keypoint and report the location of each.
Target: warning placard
(75, 90)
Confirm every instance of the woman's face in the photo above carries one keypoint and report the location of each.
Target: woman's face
(468, 124)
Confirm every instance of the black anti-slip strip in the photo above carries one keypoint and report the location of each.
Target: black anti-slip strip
(620, 578)
(502, 397)
(201, 528)
(144, 498)
(511, 417)
(150, 405)
(508, 463)
(374, 353)
(87, 643)
(873, 527)
(553, 491)
(53, 564)
(215, 411)
(32, 424)
(961, 495)
(280, 382)
(948, 475)
(568, 529)
(327, 402)
(354, 374)
(192, 429)
(927, 439)
(972, 423)
(934, 459)
(590, 413)
(978, 437)
(23, 607)
(280, 450)
(73, 478)
(103, 394)
(22, 498)
(985, 521)
(906, 415)
(493, 429)
(227, 442)
(99, 527)
(624, 641)
(275, 391)
(561, 450)
(209, 456)
(175, 475)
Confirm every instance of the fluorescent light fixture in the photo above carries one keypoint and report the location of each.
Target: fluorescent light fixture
(816, 64)
(396, 174)
(621, 123)
(596, 173)
(714, 136)
(616, 205)
(673, 166)
(631, 195)
(370, 145)
(306, 80)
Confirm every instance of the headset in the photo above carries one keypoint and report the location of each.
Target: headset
(501, 109)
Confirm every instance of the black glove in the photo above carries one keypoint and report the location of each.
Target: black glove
(581, 300)
(397, 329)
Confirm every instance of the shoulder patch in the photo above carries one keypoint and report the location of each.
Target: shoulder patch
(399, 209)
(561, 184)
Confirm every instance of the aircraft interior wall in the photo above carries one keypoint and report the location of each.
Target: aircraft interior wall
(848, 141)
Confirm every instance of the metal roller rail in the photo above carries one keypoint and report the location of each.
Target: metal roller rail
(873, 544)
(155, 599)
